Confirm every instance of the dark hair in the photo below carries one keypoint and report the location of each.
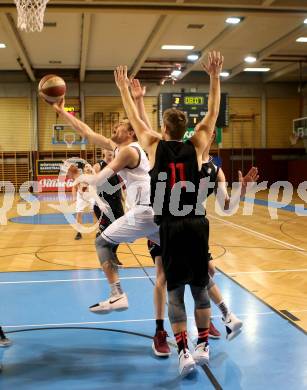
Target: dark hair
(176, 122)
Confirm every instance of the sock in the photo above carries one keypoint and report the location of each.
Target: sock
(181, 340)
(203, 334)
(116, 289)
(224, 309)
(159, 325)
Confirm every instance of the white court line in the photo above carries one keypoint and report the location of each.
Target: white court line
(107, 322)
(145, 277)
(62, 324)
(267, 272)
(136, 320)
(73, 280)
(261, 235)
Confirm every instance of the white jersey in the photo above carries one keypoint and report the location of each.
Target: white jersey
(137, 180)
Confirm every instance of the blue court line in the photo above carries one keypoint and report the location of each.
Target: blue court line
(47, 197)
(50, 219)
(277, 205)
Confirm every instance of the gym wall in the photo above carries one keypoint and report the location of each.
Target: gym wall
(15, 124)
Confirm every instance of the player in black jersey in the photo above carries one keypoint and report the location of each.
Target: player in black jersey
(159, 345)
(217, 179)
(175, 177)
(4, 341)
(113, 200)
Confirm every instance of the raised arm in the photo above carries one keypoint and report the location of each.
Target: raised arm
(205, 128)
(138, 92)
(83, 129)
(145, 135)
(126, 157)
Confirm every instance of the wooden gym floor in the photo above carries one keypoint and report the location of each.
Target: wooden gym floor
(265, 256)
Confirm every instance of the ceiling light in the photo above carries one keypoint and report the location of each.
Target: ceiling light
(301, 39)
(193, 57)
(257, 69)
(250, 59)
(305, 21)
(2, 45)
(225, 73)
(176, 73)
(177, 47)
(233, 20)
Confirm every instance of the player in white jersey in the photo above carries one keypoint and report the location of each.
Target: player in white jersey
(82, 198)
(132, 165)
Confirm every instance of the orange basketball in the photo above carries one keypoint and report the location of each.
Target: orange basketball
(73, 171)
(52, 88)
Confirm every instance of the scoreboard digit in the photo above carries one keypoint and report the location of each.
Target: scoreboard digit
(195, 105)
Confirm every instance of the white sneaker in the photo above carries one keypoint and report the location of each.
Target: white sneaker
(118, 303)
(201, 354)
(186, 363)
(233, 326)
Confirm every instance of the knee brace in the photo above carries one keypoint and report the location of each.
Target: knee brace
(176, 307)
(201, 297)
(105, 250)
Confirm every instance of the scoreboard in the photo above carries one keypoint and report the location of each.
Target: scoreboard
(195, 105)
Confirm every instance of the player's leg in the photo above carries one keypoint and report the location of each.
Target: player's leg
(80, 207)
(136, 223)
(159, 345)
(232, 323)
(213, 332)
(178, 319)
(79, 221)
(105, 221)
(105, 250)
(118, 212)
(4, 341)
(202, 320)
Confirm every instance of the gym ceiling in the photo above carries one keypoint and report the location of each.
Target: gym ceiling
(84, 40)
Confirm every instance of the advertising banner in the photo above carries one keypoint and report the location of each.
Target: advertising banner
(48, 176)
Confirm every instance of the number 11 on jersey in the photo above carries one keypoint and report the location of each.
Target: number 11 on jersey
(177, 171)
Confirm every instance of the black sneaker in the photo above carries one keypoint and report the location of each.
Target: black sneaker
(78, 236)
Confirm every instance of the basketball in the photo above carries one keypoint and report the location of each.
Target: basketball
(73, 171)
(52, 88)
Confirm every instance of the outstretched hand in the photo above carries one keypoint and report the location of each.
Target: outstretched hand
(214, 64)
(59, 106)
(121, 77)
(251, 177)
(137, 90)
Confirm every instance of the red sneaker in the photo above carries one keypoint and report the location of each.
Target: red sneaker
(213, 332)
(159, 345)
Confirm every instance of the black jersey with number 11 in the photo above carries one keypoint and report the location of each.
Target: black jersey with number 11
(175, 180)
